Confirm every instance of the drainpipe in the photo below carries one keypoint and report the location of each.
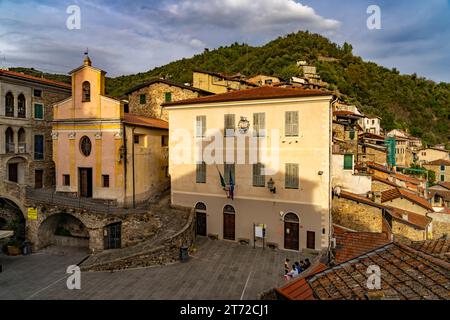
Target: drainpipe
(330, 168)
(125, 162)
(132, 159)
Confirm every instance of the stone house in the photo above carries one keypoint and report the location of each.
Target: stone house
(263, 80)
(25, 128)
(219, 83)
(441, 169)
(145, 99)
(406, 200)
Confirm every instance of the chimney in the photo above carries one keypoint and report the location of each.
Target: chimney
(405, 216)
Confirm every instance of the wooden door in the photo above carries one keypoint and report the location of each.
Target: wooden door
(291, 235)
(311, 240)
(228, 226)
(85, 184)
(113, 236)
(13, 172)
(201, 223)
(38, 179)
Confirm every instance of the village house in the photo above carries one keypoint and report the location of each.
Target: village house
(441, 169)
(291, 200)
(263, 80)
(146, 98)
(440, 195)
(371, 148)
(431, 154)
(99, 151)
(371, 125)
(219, 83)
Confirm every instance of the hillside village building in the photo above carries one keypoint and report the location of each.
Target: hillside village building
(145, 99)
(219, 83)
(371, 125)
(431, 154)
(441, 169)
(292, 200)
(100, 152)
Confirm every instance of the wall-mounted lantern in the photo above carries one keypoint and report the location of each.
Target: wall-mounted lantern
(271, 186)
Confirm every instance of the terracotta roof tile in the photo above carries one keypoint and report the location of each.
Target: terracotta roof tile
(440, 162)
(168, 82)
(439, 248)
(145, 121)
(385, 181)
(409, 217)
(261, 93)
(446, 185)
(392, 194)
(35, 79)
(407, 274)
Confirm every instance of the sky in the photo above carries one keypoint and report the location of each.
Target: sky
(125, 37)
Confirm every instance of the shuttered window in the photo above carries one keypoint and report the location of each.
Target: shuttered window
(348, 162)
(201, 172)
(291, 176)
(168, 97)
(38, 111)
(258, 177)
(200, 126)
(229, 125)
(229, 167)
(259, 124)
(291, 124)
(38, 147)
(142, 98)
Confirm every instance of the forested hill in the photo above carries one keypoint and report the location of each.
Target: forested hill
(402, 101)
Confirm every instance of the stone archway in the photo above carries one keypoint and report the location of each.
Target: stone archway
(63, 230)
(12, 218)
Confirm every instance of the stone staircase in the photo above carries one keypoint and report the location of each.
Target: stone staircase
(177, 229)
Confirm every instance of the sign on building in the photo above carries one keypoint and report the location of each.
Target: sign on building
(32, 213)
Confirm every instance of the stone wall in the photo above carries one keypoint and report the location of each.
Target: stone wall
(356, 216)
(440, 225)
(164, 251)
(155, 96)
(404, 230)
(380, 186)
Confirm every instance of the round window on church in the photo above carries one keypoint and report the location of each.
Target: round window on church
(85, 146)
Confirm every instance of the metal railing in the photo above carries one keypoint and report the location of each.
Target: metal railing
(50, 196)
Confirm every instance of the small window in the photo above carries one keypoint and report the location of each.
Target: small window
(291, 124)
(126, 108)
(442, 178)
(201, 172)
(442, 168)
(164, 141)
(348, 162)
(136, 139)
(21, 106)
(38, 111)
(66, 179)
(168, 97)
(86, 87)
(37, 93)
(268, 81)
(259, 124)
(85, 146)
(142, 98)
(291, 176)
(105, 180)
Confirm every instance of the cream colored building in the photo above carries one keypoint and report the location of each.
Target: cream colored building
(432, 154)
(293, 200)
(100, 152)
(263, 80)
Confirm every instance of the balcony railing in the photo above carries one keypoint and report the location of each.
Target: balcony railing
(10, 148)
(22, 147)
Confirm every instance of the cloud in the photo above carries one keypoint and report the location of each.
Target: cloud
(250, 15)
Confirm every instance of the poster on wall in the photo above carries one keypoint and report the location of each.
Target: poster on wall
(32, 213)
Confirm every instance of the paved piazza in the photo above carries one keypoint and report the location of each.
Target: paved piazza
(217, 270)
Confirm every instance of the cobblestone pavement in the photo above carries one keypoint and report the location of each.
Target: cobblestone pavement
(217, 270)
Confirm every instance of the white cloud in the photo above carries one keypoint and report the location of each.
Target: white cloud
(249, 15)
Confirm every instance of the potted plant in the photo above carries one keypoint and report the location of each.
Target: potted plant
(13, 248)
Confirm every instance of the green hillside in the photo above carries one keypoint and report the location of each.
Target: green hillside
(403, 101)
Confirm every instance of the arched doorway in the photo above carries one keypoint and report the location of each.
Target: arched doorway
(229, 223)
(63, 230)
(12, 218)
(200, 217)
(291, 231)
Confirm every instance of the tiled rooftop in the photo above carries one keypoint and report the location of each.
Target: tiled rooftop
(145, 121)
(35, 79)
(437, 248)
(406, 274)
(392, 194)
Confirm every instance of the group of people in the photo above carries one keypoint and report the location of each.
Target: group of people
(297, 268)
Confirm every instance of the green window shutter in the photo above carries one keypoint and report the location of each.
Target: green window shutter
(200, 126)
(142, 99)
(348, 162)
(229, 125)
(201, 172)
(442, 178)
(291, 176)
(168, 96)
(259, 124)
(38, 111)
(258, 177)
(291, 123)
(352, 135)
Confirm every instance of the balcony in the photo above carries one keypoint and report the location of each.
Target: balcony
(10, 148)
(22, 148)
